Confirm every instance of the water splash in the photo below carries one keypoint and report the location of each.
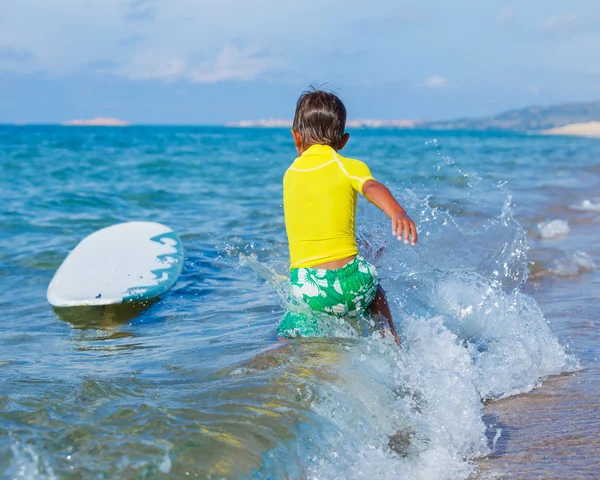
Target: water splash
(27, 463)
(469, 335)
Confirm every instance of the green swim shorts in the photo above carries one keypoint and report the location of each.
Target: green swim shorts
(344, 292)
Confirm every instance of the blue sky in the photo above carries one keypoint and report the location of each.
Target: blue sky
(210, 62)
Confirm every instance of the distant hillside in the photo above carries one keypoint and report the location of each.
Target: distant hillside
(531, 119)
(526, 119)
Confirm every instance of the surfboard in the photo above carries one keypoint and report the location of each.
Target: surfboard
(127, 262)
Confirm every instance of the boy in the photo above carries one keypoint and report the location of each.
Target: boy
(319, 194)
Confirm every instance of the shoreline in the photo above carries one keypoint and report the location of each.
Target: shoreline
(581, 130)
(551, 431)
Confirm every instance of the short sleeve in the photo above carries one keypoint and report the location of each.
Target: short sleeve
(358, 173)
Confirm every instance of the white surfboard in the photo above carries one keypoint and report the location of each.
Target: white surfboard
(121, 263)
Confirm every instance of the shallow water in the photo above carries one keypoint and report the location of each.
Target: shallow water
(198, 385)
(554, 432)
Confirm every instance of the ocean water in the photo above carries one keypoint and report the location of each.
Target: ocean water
(497, 308)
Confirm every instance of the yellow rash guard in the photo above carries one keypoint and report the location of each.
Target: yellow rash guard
(319, 202)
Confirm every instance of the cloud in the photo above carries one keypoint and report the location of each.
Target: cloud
(436, 81)
(570, 24)
(387, 24)
(15, 55)
(131, 40)
(154, 66)
(561, 23)
(231, 63)
(506, 15)
(140, 11)
(101, 66)
(533, 90)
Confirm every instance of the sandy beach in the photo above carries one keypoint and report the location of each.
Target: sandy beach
(585, 129)
(96, 122)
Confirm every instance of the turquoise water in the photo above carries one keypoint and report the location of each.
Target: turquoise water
(198, 385)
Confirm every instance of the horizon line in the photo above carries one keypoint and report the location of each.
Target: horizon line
(258, 127)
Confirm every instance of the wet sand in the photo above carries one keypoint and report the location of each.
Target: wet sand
(554, 431)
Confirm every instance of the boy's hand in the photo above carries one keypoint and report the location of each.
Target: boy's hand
(404, 227)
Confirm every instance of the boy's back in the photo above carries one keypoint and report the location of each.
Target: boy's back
(320, 194)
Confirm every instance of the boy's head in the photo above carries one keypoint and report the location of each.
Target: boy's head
(320, 119)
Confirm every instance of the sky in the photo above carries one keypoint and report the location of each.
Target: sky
(219, 61)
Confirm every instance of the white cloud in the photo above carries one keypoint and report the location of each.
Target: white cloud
(140, 10)
(231, 63)
(64, 36)
(562, 23)
(533, 90)
(16, 59)
(571, 24)
(147, 66)
(436, 81)
(505, 16)
(14, 54)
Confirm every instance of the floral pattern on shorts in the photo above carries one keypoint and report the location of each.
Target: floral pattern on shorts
(343, 292)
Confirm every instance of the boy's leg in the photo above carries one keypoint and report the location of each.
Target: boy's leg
(380, 308)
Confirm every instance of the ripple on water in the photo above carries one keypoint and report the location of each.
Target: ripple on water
(198, 384)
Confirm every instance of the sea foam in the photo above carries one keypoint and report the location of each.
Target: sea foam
(553, 229)
(587, 205)
(572, 264)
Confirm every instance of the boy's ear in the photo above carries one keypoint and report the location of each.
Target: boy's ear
(297, 141)
(345, 138)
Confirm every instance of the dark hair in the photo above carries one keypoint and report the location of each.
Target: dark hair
(320, 118)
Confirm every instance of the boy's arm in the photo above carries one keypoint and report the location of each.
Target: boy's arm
(402, 225)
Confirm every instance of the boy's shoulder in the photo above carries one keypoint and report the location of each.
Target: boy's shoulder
(352, 163)
(350, 159)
